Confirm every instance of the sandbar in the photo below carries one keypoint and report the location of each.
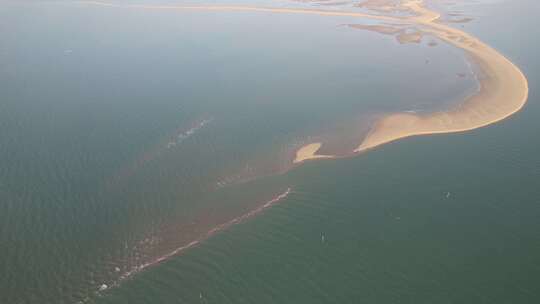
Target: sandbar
(503, 92)
(309, 151)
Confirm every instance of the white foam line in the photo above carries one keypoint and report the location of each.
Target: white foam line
(103, 287)
(206, 236)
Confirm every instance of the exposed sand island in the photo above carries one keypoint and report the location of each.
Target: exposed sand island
(503, 87)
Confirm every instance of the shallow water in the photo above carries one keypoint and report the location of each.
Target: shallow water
(122, 141)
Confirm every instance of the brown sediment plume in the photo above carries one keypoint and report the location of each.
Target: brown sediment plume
(503, 87)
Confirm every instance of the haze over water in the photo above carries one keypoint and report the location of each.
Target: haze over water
(129, 133)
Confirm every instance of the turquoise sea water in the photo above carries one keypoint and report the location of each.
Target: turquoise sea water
(126, 134)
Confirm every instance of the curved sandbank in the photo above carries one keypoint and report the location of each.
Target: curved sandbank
(503, 87)
(503, 92)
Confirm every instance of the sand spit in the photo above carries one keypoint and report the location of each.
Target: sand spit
(503, 88)
(309, 152)
(503, 92)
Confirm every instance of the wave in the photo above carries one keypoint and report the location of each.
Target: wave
(187, 134)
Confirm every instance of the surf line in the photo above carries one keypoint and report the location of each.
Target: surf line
(104, 286)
